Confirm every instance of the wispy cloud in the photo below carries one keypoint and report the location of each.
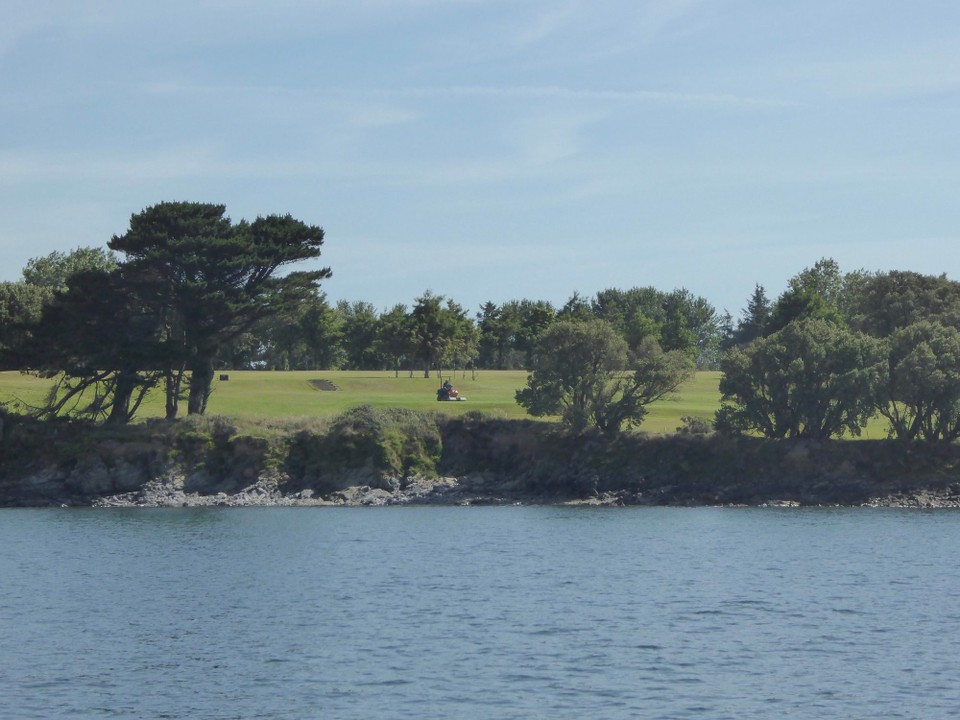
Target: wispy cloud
(546, 24)
(377, 116)
(166, 163)
(509, 92)
(656, 16)
(555, 92)
(29, 18)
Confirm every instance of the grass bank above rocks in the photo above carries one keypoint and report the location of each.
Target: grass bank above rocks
(396, 456)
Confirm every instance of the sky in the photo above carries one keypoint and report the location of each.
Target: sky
(494, 150)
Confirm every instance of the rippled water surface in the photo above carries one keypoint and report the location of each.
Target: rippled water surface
(479, 613)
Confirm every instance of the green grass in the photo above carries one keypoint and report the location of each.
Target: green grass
(259, 395)
(265, 395)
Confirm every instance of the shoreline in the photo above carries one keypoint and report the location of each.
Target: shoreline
(373, 458)
(169, 492)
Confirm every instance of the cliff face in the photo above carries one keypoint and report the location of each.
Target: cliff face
(384, 457)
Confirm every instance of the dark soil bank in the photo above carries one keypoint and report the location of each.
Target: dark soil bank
(369, 457)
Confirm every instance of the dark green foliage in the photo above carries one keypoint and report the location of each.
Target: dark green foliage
(474, 442)
(360, 328)
(384, 443)
(585, 373)
(21, 305)
(820, 291)
(215, 456)
(677, 320)
(440, 332)
(801, 304)
(192, 282)
(308, 337)
(216, 280)
(754, 318)
(67, 461)
(576, 308)
(508, 333)
(916, 388)
(885, 302)
(395, 341)
(921, 393)
(100, 343)
(811, 379)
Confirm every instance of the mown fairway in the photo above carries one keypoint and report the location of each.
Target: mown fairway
(264, 394)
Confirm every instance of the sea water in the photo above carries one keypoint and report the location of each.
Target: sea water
(510, 612)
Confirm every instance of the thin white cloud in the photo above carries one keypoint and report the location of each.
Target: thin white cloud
(657, 16)
(23, 167)
(376, 117)
(510, 92)
(555, 92)
(28, 19)
(545, 25)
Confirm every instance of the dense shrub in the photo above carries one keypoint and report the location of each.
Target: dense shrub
(392, 442)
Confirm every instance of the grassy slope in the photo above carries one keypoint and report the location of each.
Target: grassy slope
(255, 395)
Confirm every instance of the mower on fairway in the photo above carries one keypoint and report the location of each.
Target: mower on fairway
(448, 393)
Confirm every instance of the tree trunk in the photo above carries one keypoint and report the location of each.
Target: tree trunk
(201, 379)
(173, 381)
(122, 393)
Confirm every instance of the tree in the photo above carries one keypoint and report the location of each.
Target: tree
(53, 270)
(437, 324)
(307, 338)
(576, 308)
(396, 340)
(635, 314)
(811, 379)
(754, 318)
(529, 318)
(921, 393)
(496, 333)
(21, 305)
(216, 279)
(800, 304)
(584, 373)
(100, 342)
(360, 329)
(824, 279)
(462, 351)
(702, 326)
(320, 331)
(882, 303)
(727, 331)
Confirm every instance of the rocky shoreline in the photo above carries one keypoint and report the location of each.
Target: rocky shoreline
(169, 492)
(369, 458)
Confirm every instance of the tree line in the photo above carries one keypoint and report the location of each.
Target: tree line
(185, 291)
(196, 277)
(838, 349)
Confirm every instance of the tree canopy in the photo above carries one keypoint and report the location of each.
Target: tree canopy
(53, 270)
(920, 395)
(813, 379)
(190, 281)
(185, 290)
(216, 280)
(584, 373)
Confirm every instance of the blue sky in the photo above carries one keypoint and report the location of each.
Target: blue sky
(498, 149)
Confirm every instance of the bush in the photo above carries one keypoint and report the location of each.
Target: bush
(695, 426)
(392, 442)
